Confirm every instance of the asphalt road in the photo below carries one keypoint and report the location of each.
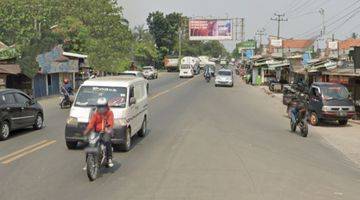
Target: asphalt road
(203, 143)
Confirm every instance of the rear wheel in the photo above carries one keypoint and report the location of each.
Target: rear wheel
(92, 167)
(71, 145)
(314, 119)
(343, 122)
(5, 130)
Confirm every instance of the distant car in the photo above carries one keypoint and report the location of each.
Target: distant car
(135, 74)
(132, 73)
(17, 111)
(224, 78)
(149, 72)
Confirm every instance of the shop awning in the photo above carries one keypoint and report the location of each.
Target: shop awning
(10, 69)
(280, 65)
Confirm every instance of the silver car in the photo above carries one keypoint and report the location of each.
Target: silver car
(224, 77)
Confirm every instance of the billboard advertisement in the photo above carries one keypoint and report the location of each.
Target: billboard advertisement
(333, 45)
(210, 29)
(276, 43)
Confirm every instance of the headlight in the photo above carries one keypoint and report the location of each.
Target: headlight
(72, 121)
(326, 108)
(120, 122)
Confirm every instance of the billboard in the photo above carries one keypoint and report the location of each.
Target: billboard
(210, 29)
(250, 44)
(276, 42)
(333, 45)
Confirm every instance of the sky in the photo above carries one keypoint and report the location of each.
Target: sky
(304, 18)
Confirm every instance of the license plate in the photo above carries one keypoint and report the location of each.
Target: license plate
(342, 114)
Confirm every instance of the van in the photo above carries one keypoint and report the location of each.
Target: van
(330, 102)
(186, 70)
(128, 100)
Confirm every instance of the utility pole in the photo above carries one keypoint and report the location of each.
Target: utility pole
(322, 13)
(242, 25)
(260, 33)
(279, 18)
(180, 38)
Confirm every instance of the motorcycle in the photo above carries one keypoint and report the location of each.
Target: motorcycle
(95, 155)
(301, 122)
(65, 100)
(207, 77)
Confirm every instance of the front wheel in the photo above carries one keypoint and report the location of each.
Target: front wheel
(304, 129)
(142, 131)
(39, 122)
(92, 167)
(125, 147)
(292, 126)
(4, 131)
(314, 120)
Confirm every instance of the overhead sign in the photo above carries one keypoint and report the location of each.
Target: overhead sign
(246, 45)
(276, 42)
(333, 45)
(210, 29)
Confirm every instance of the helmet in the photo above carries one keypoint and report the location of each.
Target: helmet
(66, 81)
(102, 105)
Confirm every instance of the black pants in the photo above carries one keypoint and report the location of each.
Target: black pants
(107, 141)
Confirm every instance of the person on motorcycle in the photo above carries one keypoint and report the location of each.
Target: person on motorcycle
(297, 103)
(67, 86)
(102, 121)
(207, 73)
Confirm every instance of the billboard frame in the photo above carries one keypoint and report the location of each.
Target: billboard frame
(208, 38)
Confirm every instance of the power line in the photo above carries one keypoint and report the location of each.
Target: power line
(311, 31)
(302, 5)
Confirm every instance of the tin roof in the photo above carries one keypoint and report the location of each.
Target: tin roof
(297, 43)
(347, 44)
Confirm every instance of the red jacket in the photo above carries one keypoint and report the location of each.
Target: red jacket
(99, 122)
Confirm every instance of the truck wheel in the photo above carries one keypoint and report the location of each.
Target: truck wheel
(314, 119)
(343, 122)
(71, 145)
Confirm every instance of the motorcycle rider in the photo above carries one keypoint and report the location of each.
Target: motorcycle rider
(298, 103)
(102, 121)
(207, 73)
(67, 86)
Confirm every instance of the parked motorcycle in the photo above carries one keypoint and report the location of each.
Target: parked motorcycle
(95, 155)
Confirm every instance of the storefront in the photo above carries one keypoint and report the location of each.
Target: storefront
(55, 67)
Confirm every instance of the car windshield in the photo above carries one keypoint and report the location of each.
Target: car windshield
(335, 92)
(224, 73)
(88, 96)
(147, 68)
